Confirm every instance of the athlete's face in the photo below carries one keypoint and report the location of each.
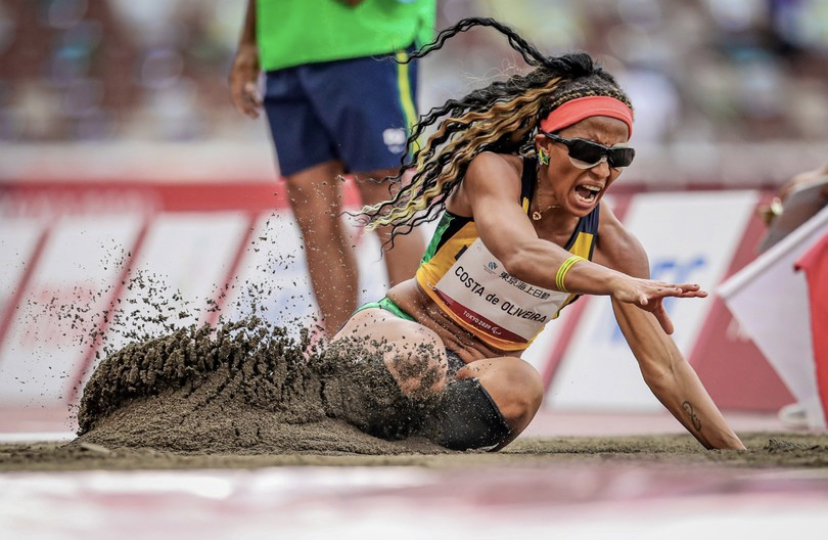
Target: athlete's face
(575, 188)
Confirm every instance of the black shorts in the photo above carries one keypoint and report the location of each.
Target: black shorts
(455, 363)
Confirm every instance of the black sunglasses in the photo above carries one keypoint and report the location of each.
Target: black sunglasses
(586, 154)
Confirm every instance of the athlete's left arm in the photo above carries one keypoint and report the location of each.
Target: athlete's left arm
(670, 377)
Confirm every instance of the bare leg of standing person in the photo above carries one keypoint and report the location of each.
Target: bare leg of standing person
(316, 199)
(404, 258)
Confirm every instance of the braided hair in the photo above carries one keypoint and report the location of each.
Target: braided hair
(502, 117)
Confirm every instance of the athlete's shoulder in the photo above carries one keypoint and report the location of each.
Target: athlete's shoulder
(489, 175)
(490, 168)
(492, 162)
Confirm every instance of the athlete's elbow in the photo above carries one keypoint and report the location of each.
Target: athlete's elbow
(659, 376)
(517, 264)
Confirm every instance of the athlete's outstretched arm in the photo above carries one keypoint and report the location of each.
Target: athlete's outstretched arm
(669, 376)
(490, 193)
(672, 380)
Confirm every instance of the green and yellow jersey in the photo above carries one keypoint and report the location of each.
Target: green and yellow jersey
(471, 286)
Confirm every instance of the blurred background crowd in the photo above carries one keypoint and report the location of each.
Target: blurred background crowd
(732, 90)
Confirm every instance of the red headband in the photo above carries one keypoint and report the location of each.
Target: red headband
(575, 110)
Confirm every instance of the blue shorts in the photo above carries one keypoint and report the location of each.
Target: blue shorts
(357, 111)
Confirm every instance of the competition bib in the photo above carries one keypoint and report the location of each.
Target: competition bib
(480, 292)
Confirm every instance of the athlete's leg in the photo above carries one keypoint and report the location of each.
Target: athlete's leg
(383, 374)
(403, 258)
(414, 355)
(509, 385)
(316, 201)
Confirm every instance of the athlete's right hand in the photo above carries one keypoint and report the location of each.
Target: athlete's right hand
(243, 80)
(649, 295)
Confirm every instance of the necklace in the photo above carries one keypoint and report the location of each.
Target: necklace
(537, 215)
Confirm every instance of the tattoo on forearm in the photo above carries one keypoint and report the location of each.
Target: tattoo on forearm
(693, 417)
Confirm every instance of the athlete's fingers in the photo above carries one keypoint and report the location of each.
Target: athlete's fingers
(691, 291)
(691, 288)
(662, 290)
(685, 290)
(686, 286)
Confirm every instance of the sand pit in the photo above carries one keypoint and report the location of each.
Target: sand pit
(248, 387)
(764, 451)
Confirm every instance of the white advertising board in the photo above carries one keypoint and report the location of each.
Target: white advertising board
(770, 300)
(18, 239)
(183, 262)
(274, 273)
(689, 237)
(65, 301)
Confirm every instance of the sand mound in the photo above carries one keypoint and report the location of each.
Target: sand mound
(247, 386)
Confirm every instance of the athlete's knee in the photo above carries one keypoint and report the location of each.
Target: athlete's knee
(358, 388)
(528, 390)
(514, 385)
(520, 404)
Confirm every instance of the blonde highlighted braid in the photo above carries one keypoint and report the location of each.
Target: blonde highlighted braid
(502, 117)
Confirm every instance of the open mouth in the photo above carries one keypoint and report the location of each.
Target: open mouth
(587, 193)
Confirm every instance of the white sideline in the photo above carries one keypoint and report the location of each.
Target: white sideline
(36, 437)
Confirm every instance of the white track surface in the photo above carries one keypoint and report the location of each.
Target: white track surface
(569, 502)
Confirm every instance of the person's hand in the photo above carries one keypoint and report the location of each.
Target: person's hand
(768, 212)
(243, 80)
(803, 178)
(649, 295)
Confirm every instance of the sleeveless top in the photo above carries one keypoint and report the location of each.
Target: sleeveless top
(296, 32)
(471, 286)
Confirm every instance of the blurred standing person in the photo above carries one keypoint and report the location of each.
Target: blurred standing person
(337, 103)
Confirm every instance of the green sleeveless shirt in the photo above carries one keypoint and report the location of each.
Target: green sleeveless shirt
(295, 32)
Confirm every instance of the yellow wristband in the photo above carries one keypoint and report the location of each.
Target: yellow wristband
(564, 269)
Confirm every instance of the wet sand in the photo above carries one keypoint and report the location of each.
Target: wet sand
(764, 451)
